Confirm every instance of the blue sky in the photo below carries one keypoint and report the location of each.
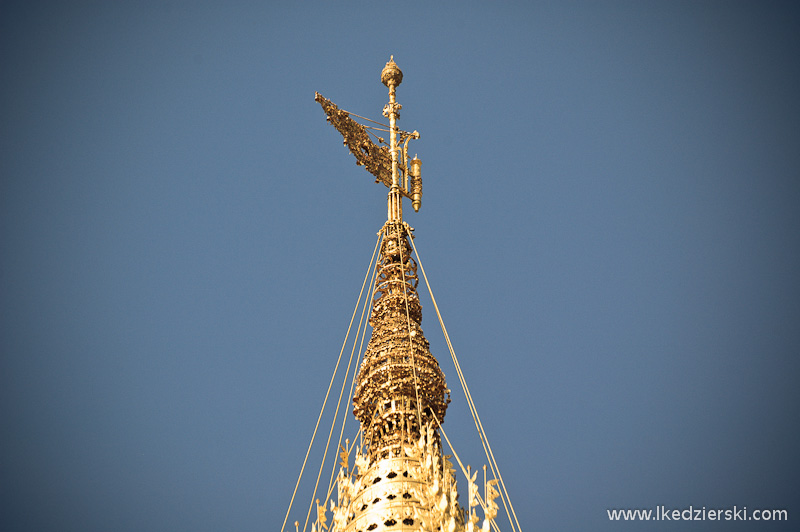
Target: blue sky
(609, 223)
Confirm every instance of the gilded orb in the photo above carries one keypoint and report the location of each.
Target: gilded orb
(391, 74)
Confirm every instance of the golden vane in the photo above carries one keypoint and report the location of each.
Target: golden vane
(389, 164)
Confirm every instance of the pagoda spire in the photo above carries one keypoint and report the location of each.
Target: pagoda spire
(398, 479)
(401, 481)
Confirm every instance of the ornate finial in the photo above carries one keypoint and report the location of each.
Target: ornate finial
(390, 164)
(391, 74)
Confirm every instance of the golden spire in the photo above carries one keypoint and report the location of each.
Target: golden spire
(400, 480)
(395, 477)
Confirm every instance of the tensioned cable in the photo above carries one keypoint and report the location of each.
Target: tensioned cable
(384, 128)
(313, 436)
(349, 452)
(362, 332)
(380, 140)
(341, 393)
(355, 440)
(470, 402)
(473, 410)
(367, 119)
(463, 469)
(376, 128)
(461, 378)
(371, 420)
(330, 433)
(455, 454)
(476, 418)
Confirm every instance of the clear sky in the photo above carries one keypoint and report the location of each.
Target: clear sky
(610, 224)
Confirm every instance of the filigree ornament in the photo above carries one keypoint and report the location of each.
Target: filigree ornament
(491, 495)
(376, 159)
(473, 491)
(321, 519)
(400, 385)
(390, 108)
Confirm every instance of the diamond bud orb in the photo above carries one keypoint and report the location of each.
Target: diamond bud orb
(391, 74)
